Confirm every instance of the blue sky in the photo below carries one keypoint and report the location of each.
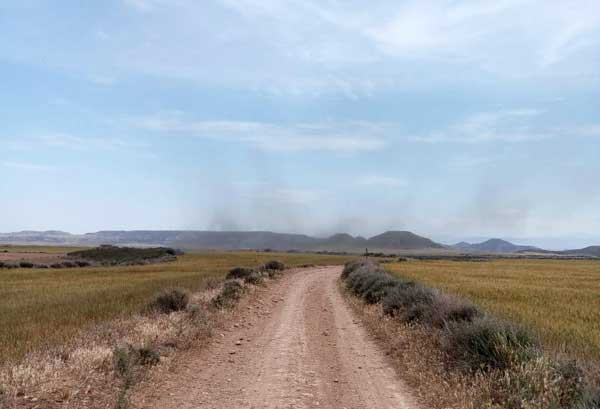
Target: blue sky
(453, 119)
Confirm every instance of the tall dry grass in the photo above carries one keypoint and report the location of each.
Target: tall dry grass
(559, 299)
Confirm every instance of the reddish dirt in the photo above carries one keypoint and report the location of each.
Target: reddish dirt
(297, 346)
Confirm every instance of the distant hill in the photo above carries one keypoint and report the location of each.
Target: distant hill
(493, 246)
(391, 241)
(402, 240)
(591, 251)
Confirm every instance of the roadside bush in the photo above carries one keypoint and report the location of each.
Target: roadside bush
(229, 295)
(378, 289)
(254, 279)
(272, 274)
(273, 265)
(126, 357)
(26, 264)
(169, 300)
(56, 265)
(408, 300)
(83, 263)
(354, 265)
(488, 343)
(447, 308)
(69, 264)
(239, 272)
(540, 383)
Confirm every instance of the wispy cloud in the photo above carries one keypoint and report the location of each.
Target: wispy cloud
(270, 46)
(382, 181)
(346, 138)
(73, 142)
(503, 126)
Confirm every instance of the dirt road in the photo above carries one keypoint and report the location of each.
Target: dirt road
(297, 346)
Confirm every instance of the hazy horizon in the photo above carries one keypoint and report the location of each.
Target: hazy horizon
(548, 243)
(453, 120)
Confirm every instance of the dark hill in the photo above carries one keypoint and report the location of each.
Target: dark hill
(493, 246)
(593, 251)
(403, 240)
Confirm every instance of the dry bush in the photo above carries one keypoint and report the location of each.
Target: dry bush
(273, 265)
(254, 279)
(169, 300)
(239, 272)
(488, 343)
(230, 294)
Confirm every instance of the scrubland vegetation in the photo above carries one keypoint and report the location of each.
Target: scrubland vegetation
(500, 363)
(559, 299)
(42, 308)
(93, 333)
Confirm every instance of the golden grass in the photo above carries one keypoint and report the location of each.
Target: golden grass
(559, 299)
(45, 308)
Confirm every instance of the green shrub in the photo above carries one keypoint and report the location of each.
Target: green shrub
(169, 300)
(239, 272)
(488, 343)
(229, 295)
(378, 289)
(408, 300)
(26, 264)
(273, 265)
(254, 279)
(446, 309)
(126, 357)
(354, 265)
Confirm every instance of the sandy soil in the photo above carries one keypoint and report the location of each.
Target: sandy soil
(297, 345)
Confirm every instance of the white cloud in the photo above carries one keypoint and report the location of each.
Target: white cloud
(383, 181)
(500, 35)
(345, 138)
(314, 46)
(504, 125)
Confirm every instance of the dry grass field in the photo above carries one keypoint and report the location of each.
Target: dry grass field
(44, 308)
(559, 299)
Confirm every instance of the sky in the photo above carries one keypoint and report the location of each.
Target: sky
(454, 119)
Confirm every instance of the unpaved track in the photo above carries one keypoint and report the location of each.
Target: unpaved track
(299, 346)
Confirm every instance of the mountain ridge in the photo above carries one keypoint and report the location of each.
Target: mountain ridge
(227, 240)
(493, 245)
